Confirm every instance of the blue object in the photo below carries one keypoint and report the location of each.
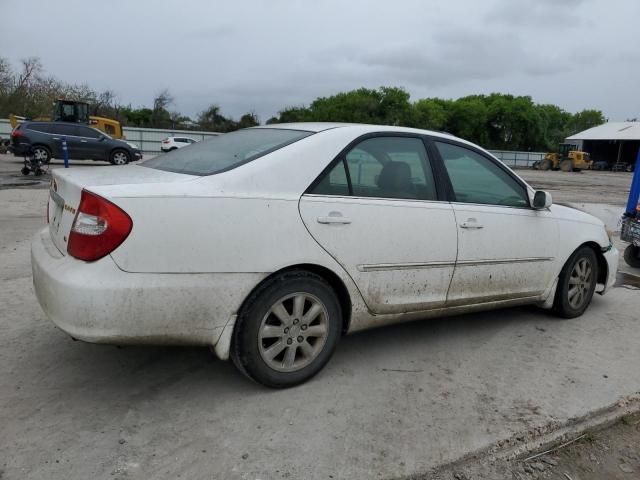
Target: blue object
(634, 193)
(65, 152)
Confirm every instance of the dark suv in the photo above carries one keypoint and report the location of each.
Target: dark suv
(83, 143)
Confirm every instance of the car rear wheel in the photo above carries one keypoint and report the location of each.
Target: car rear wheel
(576, 283)
(287, 330)
(120, 157)
(41, 154)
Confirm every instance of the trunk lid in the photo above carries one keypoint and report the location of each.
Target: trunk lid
(67, 184)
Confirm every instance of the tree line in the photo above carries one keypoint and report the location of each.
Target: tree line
(496, 121)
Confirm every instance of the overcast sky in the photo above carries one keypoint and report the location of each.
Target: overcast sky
(262, 55)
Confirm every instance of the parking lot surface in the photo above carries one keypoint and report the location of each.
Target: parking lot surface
(392, 402)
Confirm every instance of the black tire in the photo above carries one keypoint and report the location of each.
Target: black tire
(545, 164)
(41, 153)
(247, 346)
(563, 303)
(119, 157)
(566, 166)
(632, 256)
(25, 171)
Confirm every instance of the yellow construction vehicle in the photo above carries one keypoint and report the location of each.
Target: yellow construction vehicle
(568, 159)
(76, 112)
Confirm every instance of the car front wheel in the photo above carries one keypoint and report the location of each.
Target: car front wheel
(119, 157)
(287, 330)
(576, 283)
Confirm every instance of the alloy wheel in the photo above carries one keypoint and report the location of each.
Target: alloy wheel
(580, 283)
(40, 154)
(119, 158)
(293, 332)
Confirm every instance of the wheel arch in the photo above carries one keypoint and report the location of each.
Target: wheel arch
(327, 274)
(603, 267)
(45, 146)
(119, 149)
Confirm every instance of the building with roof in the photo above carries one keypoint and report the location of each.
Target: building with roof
(613, 142)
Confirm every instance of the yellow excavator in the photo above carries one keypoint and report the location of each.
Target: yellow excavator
(568, 159)
(76, 112)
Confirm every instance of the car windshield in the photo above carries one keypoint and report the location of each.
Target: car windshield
(225, 152)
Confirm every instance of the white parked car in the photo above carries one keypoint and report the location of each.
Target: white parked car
(173, 143)
(270, 243)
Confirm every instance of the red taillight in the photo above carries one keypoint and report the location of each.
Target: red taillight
(16, 133)
(166, 141)
(98, 229)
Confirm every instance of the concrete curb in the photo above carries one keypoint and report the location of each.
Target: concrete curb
(540, 438)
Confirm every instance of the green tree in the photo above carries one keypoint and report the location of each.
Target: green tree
(387, 105)
(430, 114)
(586, 119)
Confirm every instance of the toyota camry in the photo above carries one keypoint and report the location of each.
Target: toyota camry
(270, 243)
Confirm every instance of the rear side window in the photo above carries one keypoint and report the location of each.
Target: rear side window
(40, 127)
(66, 130)
(225, 152)
(382, 167)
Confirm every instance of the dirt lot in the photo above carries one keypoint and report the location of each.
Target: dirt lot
(393, 403)
(581, 187)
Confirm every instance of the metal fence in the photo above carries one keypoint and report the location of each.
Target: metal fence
(148, 139)
(518, 159)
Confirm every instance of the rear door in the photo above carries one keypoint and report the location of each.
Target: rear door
(506, 249)
(68, 132)
(378, 212)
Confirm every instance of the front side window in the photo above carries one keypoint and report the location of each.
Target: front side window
(476, 179)
(224, 152)
(382, 167)
(88, 132)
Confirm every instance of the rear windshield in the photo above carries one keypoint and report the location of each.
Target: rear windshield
(224, 152)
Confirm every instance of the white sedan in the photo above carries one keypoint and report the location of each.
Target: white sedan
(270, 243)
(173, 143)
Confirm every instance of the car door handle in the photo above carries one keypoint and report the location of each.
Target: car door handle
(83, 141)
(56, 138)
(334, 217)
(471, 224)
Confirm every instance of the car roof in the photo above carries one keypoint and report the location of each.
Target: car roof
(322, 126)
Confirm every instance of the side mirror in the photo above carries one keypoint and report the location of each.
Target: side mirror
(541, 200)
(101, 138)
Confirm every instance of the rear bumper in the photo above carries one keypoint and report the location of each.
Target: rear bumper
(98, 302)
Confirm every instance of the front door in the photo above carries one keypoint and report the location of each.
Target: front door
(505, 248)
(377, 212)
(90, 145)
